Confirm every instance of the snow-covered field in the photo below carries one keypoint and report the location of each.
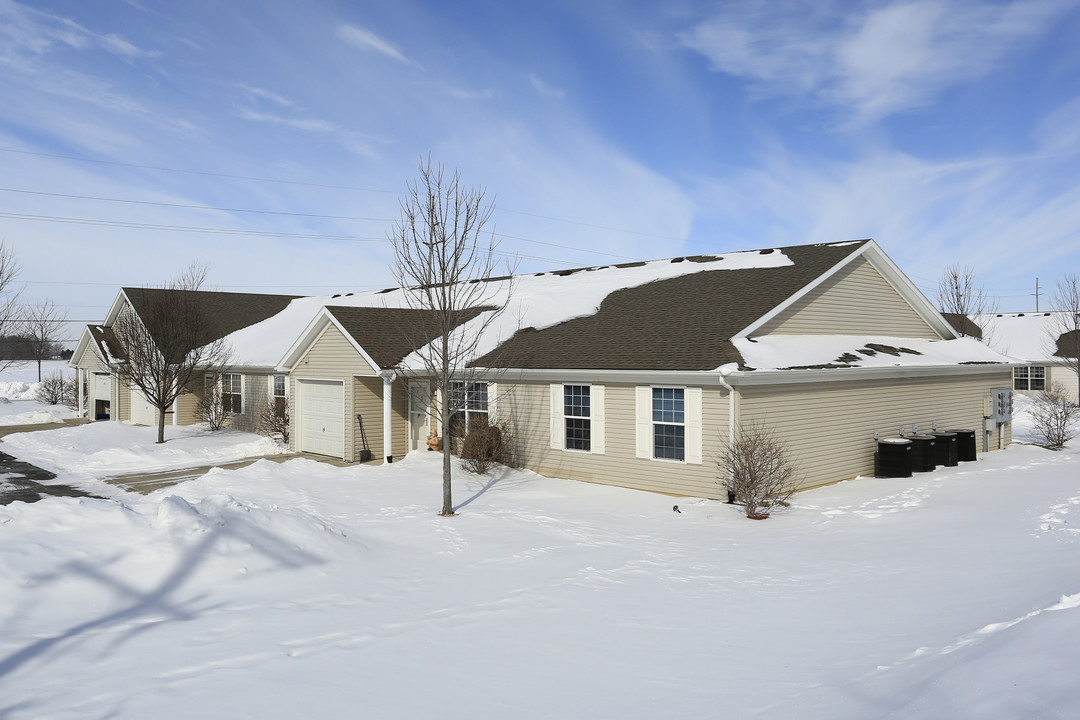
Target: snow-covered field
(305, 590)
(17, 403)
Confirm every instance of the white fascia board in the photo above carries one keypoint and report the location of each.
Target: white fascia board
(84, 339)
(117, 306)
(629, 377)
(778, 377)
(314, 330)
(892, 274)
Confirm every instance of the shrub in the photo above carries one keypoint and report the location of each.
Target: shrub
(212, 407)
(484, 446)
(756, 472)
(53, 389)
(1054, 416)
(274, 419)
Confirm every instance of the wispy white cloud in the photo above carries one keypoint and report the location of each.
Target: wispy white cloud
(29, 30)
(307, 124)
(874, 58)
(257, 93)
(544, 88)
(366, 40)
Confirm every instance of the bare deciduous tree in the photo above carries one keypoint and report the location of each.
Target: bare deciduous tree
(1054, 416)
(9, 298)
(165, 345)
(959, 296)
(41, 325)
(212, 406)
(274, 419)
(756, 470)
(442, 254)
(1066, 326)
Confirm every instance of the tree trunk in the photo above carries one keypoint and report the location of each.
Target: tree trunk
(160, 426)
(39, 369)
(447, 501)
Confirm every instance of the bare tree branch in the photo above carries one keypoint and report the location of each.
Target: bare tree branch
(443, 256)
(166, 345)
(958, 295)
(9, 297)
(40, 327)
(1065, 330)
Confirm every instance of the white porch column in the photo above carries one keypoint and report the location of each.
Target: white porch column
(388, 377)
(81, 374)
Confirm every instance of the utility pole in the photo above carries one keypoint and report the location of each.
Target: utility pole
(1036, 294)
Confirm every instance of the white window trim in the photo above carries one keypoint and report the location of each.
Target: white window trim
(221, 390)
(596, 418)
(1027, 375)
(692, 435)
(489, 412)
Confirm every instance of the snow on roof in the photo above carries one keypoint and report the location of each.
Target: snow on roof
(537, 300)
(1025, 336)
(781, 352)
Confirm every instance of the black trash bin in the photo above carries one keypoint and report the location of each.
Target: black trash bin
(923, 453)
(945, 448)
(894, 458)
(966, 449)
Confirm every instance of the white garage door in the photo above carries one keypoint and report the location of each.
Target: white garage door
(142, 412)
(322, 417)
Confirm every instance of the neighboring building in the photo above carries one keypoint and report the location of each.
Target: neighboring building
(638, 374)
(1037, 341)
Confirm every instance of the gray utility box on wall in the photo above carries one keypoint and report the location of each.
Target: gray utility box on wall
(1001, 405)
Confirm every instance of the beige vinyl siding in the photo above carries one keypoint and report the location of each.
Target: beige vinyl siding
(526, 408)
(333, 357)
(829, 426)
(369, 403)
(857, 300)
(1055, 373)
(187, 404)
(123, 400)
(255, 395)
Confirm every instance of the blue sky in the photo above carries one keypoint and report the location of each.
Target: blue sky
(948, 131)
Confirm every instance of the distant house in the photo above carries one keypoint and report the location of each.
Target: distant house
(1037, 341)
(638, 374)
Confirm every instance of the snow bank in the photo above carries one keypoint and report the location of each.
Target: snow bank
(306, 590)
(111, 448)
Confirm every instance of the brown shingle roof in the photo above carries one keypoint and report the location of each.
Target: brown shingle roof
(221, 312)
(389, 334)
(682, 323)
(105, 339)
(963, 325)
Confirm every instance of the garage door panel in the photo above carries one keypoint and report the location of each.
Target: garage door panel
(322, 421)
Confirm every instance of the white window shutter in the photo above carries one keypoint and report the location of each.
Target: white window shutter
(643, 414)
(596, 403)
(558, 427)
(493, 403)
(693, 425)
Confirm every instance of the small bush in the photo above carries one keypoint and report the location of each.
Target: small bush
(274, 419)
(1054, 417)
(212, 407)
(54, 389)
(756, 472)
(484, 446)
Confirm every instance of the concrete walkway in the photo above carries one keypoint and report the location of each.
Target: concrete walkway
(146, 483)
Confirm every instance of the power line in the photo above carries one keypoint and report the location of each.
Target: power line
(325, 186)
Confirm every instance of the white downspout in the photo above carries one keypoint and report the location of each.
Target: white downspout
(388, 377)
(81, 373)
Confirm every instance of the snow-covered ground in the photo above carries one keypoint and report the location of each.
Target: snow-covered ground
(305, 590)
(18, 405)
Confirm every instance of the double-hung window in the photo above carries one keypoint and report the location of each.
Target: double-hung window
(577, 417)
(669, 423)
(469, 402)
(1032, 377)
(232, 392)
(278, 395)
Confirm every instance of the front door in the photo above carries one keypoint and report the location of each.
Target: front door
(419, 420)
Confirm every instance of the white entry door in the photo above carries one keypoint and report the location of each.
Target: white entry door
(322, 417)
(142, 412)
(419, 420)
